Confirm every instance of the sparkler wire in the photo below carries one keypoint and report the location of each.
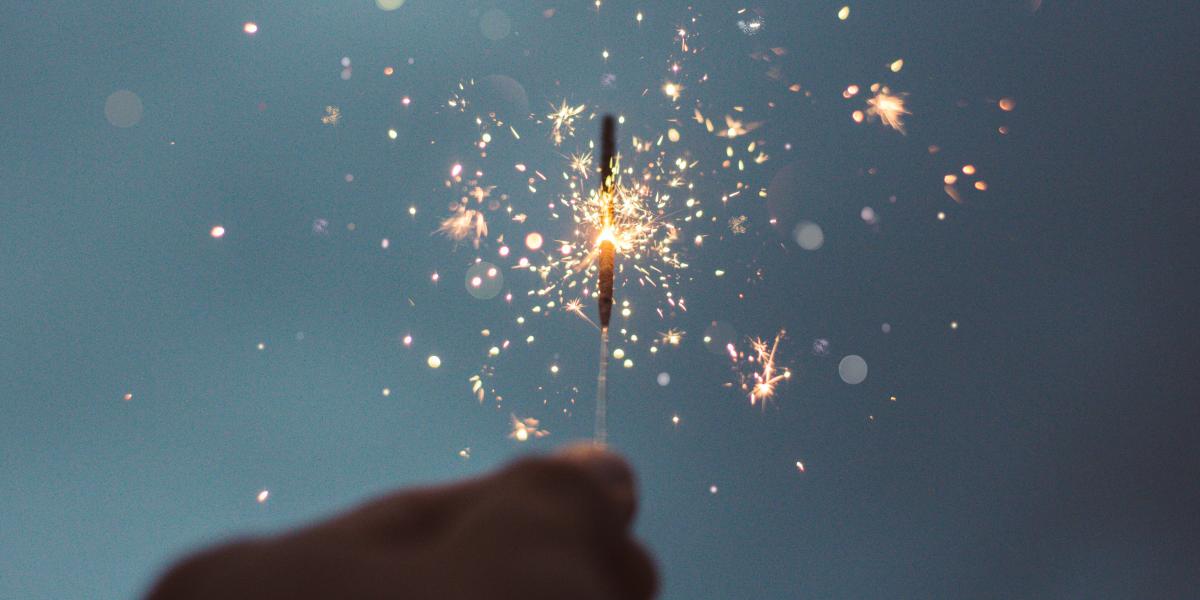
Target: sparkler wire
(601, 436)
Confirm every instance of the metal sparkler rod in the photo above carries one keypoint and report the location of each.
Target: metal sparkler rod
(608, 256)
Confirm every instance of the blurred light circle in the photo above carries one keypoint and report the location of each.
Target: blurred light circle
(809, 235)
(389, 4)
(433, 361)
(495, 24)
(533, 241)
(853, 369)
(718, 336)
(484, 281)
(123, 109)
(664, 379)
(217, 232)
(868, 215)
(503, 95)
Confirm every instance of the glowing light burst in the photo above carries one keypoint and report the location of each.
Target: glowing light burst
(563, 121)
(761, 383)
(888, 108)
(643, 231)
(581, 164)
(576, 307)
(332, 116)
(681, 176)
(523, 429)
(464, 222)
(671, 337)
(734, 128)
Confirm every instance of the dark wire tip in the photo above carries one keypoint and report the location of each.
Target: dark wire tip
(608, 149)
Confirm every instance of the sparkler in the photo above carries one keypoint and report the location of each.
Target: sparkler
(608, 252)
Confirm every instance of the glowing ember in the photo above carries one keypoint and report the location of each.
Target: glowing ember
(888, 108)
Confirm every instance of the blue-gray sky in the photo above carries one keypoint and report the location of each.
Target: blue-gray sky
(1046, 447)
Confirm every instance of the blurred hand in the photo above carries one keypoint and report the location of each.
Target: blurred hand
(541, 528)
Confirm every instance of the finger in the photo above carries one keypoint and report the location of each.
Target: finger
(412, 514)
(596, 483)
(590, 485)
(634, 573)
(611, 471)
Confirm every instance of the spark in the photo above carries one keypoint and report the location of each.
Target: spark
(735, 128)
(762, 383)
(575, 306)
(217, 232)
(671, 337)
(481, 193)
(751, 26)
(582, 163)
(888, 108)
(333, 115)
(464, 222)
(250, 27)
(263, 495)
(563, 120)
(523, 429)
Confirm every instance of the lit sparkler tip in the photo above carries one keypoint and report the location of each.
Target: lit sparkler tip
(608, 250)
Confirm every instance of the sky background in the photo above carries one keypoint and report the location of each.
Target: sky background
(1045, 447)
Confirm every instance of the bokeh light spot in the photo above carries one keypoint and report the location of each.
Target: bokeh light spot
(484, 281)
(533, 241)
(809, 236)
(495, 24)
(123, 108)
(853, 369)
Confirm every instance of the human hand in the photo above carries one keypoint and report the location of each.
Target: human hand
(541, 528)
